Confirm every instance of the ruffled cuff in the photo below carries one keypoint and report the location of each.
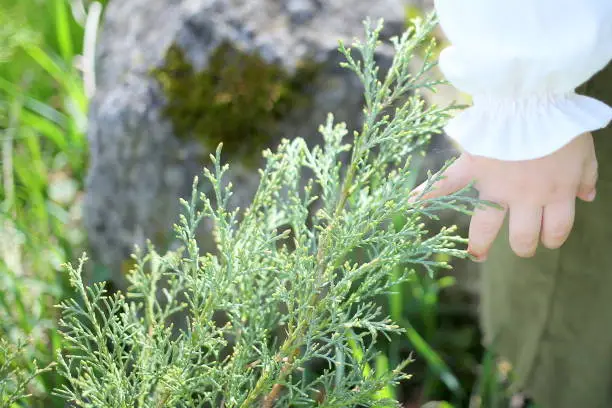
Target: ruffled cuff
(527, 128)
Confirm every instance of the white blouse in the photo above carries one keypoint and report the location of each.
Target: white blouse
(521, 60)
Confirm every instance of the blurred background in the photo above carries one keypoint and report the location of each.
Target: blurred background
(109, 108)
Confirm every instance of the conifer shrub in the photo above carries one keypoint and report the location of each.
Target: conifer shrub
(283, 312)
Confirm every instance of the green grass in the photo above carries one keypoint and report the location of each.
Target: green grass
(43, 110)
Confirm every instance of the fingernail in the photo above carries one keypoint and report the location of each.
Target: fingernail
(592, 195)
(477, 258)
(413, 197)
(480, 259)
(412, 200)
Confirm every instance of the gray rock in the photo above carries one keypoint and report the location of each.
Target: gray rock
(139, 167)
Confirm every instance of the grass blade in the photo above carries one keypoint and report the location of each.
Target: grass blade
(62, 27)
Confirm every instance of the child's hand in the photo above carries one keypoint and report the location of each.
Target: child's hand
(539, 194)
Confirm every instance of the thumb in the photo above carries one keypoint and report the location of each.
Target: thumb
(452, 180)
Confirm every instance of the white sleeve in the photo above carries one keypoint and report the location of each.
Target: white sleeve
(522, 60)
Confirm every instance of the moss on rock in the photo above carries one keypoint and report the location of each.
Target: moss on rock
(238, 99)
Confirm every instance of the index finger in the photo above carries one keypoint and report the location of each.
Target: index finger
(456, 177)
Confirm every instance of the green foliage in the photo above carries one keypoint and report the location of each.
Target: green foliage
(14, 33)
(14, 378)
(294, 277)
(237, 100)
(414, 12)
(43, 108)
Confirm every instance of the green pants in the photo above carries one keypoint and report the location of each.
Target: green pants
(551, 316)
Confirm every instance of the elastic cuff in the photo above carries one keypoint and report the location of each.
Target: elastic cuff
(526, 128)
